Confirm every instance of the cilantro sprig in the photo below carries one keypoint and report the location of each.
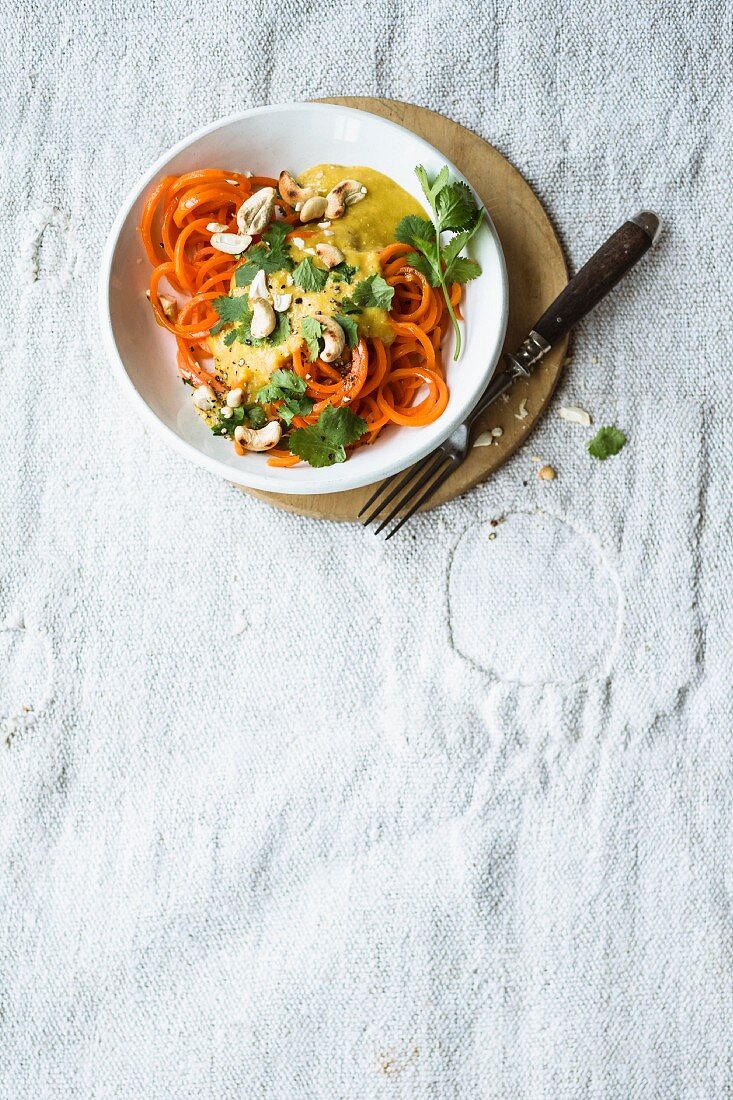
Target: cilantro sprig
(454, 210)
(324, 443)
(288, 388)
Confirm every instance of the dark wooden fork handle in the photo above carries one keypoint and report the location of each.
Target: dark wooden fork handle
(599, 275)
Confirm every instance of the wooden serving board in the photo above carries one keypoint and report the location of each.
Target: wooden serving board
(537, 273)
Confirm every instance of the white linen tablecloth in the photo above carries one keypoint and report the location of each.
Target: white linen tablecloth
(289, 813)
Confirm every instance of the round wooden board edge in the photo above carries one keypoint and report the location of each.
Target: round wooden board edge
(333, 506)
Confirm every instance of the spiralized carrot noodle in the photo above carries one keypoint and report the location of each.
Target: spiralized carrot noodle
(400, 383)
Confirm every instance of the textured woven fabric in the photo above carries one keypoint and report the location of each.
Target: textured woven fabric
(286, 812)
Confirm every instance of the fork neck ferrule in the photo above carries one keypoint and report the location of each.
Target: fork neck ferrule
(534, 348)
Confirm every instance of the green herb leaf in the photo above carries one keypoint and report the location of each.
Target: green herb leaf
(343, 271)
(324, 443)
(462, 270)
(270, 255)
(231, 311)
(238, 313)
(456, 207)
(606, 442)
(311, 331)
(350, 330)
(289, 388)
(282, 383)
(425, 266)
(348, 305)
(416, 231)
(432, 189)
(373, 291)
(251, 415)
(310, 277)
(279, 254)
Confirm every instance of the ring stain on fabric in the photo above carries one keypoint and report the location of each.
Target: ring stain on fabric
(48, 245)
(533, 600)
(25, 676)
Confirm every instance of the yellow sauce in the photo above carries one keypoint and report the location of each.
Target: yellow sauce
(364, 230)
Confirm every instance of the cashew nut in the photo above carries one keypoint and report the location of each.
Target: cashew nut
(260, 439)
(330, 254)
(258, 286)
(203, 397)
(255, 214)
(291, 191)
(231, 243)
(281, 302)
(342, 195)
(217, 227)
(334, 340)
(263, 318)
(312, 208)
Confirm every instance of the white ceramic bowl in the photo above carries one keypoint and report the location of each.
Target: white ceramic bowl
(264, 140)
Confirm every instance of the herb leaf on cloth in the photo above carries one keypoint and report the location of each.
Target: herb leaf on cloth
(606, 442)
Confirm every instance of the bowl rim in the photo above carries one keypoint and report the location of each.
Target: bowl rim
(247, 478)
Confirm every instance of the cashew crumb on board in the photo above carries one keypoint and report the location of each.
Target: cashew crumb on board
(522, 414)
(546, 473)
(575, 415)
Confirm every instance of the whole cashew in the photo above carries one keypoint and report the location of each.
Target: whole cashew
(342, 195)
(334, 340)
(263, 318)
(330, 254)
(255, 214)
(312, 208)
(259, 439)
(291, 191)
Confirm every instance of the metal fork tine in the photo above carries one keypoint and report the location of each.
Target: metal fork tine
(430, 472)
(379, 489)
(401, 484)
(428, 493)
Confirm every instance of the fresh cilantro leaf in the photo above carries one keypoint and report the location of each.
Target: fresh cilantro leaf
(237, 312)
(606, 442)
(462, 270)
(324, 443)
(425, 266)
(373, 291)
(256, 416)
(226, 425)
(456, 207)
(416, 231)
(350, 330)
(311, 331)
(432, 189)
(279, 334)
(282, 383)
(257, 260)
(309, 277)
(279, 255)
(348, 305)
(231, 311)
(270, 255)
(251, 415)
(288, 388)
(343, 271)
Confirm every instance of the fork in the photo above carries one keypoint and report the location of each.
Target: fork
(596, 278)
